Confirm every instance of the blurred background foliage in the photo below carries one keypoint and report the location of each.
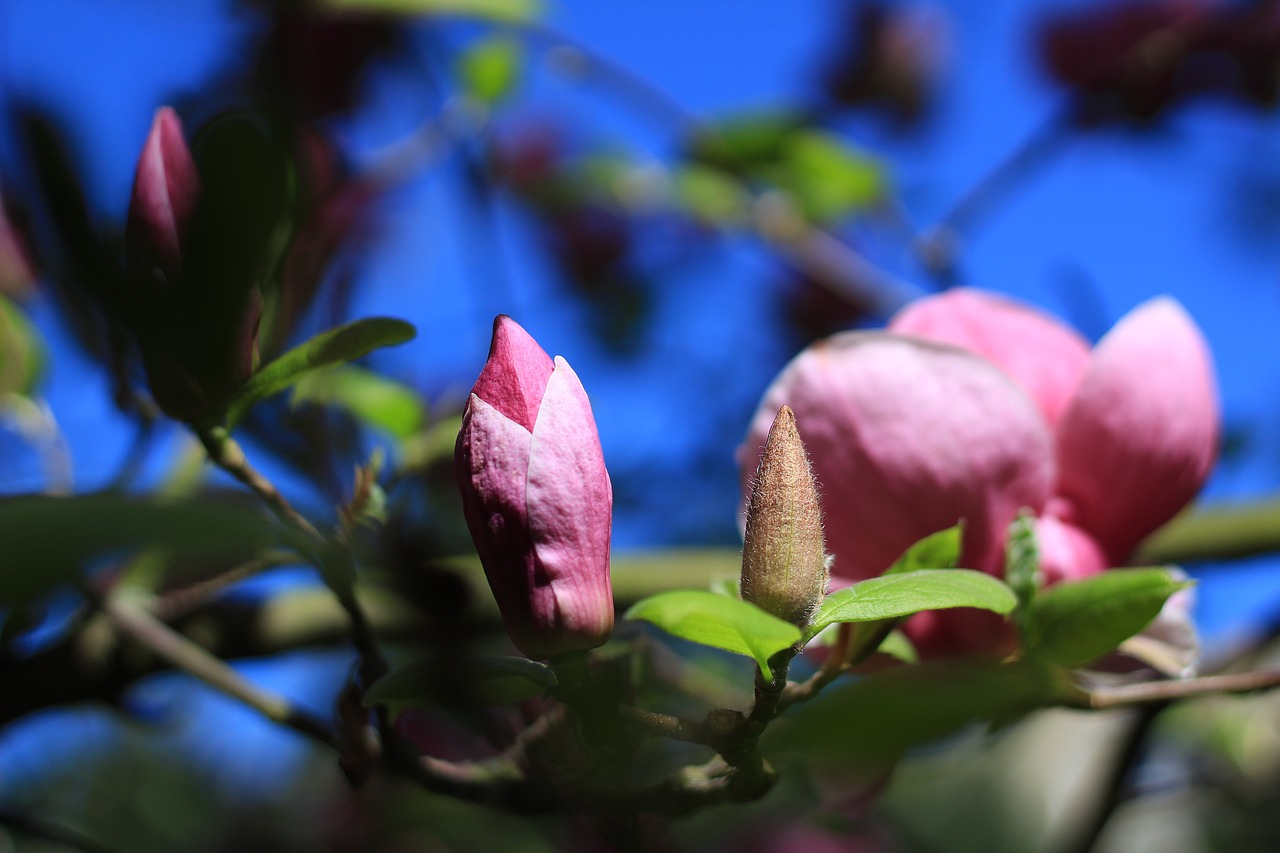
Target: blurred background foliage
(677, 197)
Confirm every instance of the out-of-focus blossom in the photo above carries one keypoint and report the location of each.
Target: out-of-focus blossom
(889, 56)
(784, 559)
(1135, 60)
(1005, 409)
(165, 188)
(537, 497)
(17, 267)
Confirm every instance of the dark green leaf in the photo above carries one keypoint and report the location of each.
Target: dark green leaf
(1074, 623)
(713, 620)
(747, 142)
(490, 68)
(336, 346)
(47, 539)
(939, 550)
(477, 680)
(493, 10)
(874, 721)
(369, 397)
(898, 595)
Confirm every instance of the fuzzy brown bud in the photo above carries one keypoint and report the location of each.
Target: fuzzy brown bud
(784, 562)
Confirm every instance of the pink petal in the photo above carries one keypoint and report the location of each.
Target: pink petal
(492, 460)
(164, 193)
(906, 438)
(1066, 551)
(570, 501)
(516, 373)
(1045, 357)
(1141, 435)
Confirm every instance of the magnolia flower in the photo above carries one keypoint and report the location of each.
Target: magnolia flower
(537, 497)
(1005, 409)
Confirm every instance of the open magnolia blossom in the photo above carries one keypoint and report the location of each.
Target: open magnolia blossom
(537, 497)
(972, 407)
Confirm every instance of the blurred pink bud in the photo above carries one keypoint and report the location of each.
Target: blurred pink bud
(164, 196)
(537, 497)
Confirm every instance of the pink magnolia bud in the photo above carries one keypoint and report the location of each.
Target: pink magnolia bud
(164, 196)
(784, 558)
(537, 497)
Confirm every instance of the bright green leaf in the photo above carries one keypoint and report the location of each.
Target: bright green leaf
(47, 540)
(1076, 622)
(336, 346)
(713, 620)
(710, 195)
(828, 178)
(872, 722)
(939, 550)
(369, 397)
(490, 68)
(493, 10)
(898, 595)
(747, 142)
(22, 357)
(477, 680)
(898, 645)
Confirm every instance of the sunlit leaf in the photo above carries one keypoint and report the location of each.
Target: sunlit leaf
(21, 354)
(336, 346)
(713, 620)
(828, 178)
(1076, 622)
(872, 722)
(939, 550)
(494, 10)
(47, 540)
(367, 396)
(898, 645)
(709, 195)
(490, 68)
(475, 680)
(897, 595)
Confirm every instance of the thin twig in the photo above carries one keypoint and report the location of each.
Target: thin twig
(134, 621)
(1148, 692)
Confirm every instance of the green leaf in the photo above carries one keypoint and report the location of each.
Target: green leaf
(336, 346)
(898, 595)
(1076, 622)
(939, 550)
(713, 620)
(492, 10)
(47, 540)
(490, 68)
(898, 645)
(22, 357)
(469, 681)
(872, 722)
(1022, 558)
(369, 397)
(828, 178)
(710, 195)
(747, 142)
